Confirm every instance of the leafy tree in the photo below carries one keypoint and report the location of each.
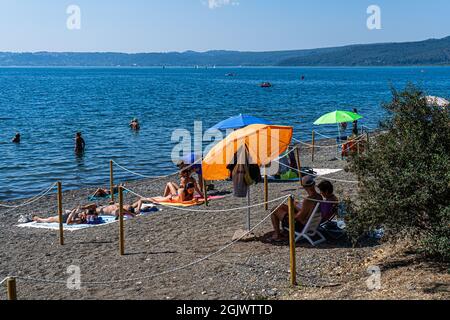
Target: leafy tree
(405, 177)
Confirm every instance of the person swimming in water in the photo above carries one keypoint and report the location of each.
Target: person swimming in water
(134, 125)
(16, 139)
(80, 144)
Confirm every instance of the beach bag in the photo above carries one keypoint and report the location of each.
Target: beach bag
(290, 175)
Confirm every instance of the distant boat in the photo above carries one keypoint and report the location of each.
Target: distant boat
(231, 74)
(266, 85)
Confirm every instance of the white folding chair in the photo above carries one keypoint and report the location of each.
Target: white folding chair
(311, 228)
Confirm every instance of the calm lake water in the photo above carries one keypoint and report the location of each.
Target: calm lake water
(48, 105)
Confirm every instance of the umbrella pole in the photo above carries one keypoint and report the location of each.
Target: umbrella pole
(299, 163)
(266, 190)
(339, 141)
(248, 210)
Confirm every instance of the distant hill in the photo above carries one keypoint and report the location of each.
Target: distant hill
(428, 52)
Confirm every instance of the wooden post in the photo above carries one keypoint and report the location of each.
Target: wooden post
(358, 144)
(292, 244)
(299, 163)
(121, 223)
(11, 289)
(266, 190)
(111, 179)
(205, 192)
(368, 142)
(60, 214)
(313, 144)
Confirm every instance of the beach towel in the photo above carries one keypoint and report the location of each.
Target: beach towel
(197, 202)
(55, 226)
(162, 201)
(116, 196)
(210, 198)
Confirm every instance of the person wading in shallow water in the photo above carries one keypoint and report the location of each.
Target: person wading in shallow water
(80, 145)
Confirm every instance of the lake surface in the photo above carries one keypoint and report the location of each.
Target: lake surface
(48, 105)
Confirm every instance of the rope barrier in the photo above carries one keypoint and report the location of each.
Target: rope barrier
(358, 140)
(322, 135)
(142, 175)
(156, 178)
(37, 198)
(317, 176)
(198, 261)
(28, 201)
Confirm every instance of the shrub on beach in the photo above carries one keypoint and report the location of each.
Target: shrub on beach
(405, 178)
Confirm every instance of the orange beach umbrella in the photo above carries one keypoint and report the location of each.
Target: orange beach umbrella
(264, 144)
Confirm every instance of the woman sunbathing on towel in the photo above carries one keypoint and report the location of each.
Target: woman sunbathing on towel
(75, 216)
(185, 194)
(172, 189)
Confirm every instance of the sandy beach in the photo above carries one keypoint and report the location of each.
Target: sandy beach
(172, 239)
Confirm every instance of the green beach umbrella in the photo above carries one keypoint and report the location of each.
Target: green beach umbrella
(338, 117)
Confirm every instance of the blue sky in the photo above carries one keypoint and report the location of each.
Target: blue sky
(179, 25)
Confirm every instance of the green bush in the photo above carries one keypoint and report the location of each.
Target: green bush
(405, 177)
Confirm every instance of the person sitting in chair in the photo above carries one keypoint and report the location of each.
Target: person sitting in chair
(302, 211)
(330, 207)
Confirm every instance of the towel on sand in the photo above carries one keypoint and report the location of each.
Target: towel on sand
(162, 201)
(75, 227)
(198, 201)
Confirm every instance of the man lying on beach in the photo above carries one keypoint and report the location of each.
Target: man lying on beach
(102, 193)
(71, 217)
(113, 209)
(172, 189)
(302, 212)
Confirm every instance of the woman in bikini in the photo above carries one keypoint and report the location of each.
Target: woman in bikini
(173, 189)
(181, 195)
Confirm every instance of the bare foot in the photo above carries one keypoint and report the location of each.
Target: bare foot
(276, 237)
